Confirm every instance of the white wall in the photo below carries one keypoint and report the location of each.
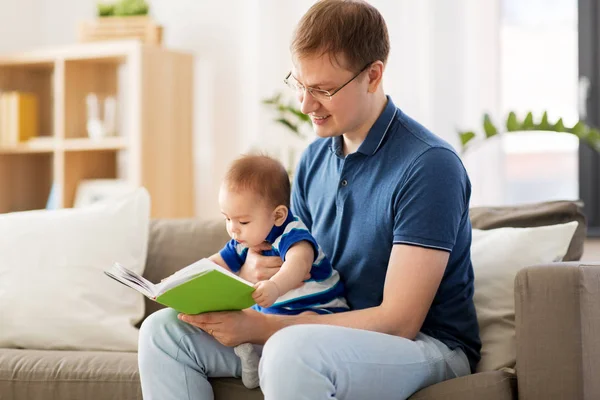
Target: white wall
(442, 67)
(19, 24)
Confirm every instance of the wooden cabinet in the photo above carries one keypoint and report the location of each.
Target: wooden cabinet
(152, 146)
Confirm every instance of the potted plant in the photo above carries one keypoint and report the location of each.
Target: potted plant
(122, 19)
(289, 115)
(514, 125)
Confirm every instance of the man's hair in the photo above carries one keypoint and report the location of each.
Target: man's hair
(262, 175)
(352, 28)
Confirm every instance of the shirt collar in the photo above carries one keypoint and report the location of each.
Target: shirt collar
(277, 231)
(375, 136)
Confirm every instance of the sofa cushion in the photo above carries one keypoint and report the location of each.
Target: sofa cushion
(498, 255)
(233, 389)
(53, 292)
(536, 214)
(494, 385)
(176, 243)
(66, 375)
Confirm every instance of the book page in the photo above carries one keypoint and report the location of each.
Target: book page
(132, 279)
(198, 268)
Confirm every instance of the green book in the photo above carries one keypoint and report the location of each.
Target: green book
(200, 287)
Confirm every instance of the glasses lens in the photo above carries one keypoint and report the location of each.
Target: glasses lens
(320, 95)
(294, 84)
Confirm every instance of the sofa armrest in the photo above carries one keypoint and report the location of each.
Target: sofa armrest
(557, 315)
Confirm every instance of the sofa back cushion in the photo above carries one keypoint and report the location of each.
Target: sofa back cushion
(176, 243)
(533, 215)
(498, 255)
(53, 290)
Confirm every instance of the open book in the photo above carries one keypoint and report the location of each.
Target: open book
(200, 287)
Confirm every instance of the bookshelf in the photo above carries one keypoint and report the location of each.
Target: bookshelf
(152, 146)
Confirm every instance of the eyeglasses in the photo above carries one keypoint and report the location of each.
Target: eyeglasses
(318, 94)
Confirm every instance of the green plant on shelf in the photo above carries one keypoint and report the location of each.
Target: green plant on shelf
(289, 115)
(585, 133)
(122, 8)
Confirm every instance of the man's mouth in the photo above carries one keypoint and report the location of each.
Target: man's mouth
(319, 119)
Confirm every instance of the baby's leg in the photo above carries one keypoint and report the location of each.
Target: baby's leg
(249, 357)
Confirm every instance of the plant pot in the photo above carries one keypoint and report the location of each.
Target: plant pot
(114, 28)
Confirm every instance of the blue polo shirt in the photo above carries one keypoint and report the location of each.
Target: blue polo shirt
(404, 185)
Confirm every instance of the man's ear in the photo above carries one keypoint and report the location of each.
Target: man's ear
(375, 73)
(280, 213)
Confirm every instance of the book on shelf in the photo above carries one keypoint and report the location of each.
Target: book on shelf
(19, 119)
(200, 287)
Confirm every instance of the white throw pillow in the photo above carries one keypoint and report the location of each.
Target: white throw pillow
(497, 256)
(53, 292)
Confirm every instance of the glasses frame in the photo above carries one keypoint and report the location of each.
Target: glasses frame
(328, 95)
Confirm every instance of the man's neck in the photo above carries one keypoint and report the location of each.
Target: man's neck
(352, 141)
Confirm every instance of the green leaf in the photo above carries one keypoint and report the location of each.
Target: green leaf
(593, 138)
(105, 10)
(465, 137)
(299, 114)
(528, 122)
(288, 124)
(559, 126)
(544, 125)
(488, 127)
(512, 123)
(579, 129)
(126, 8)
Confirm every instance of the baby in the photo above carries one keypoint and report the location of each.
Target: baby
(255, 201)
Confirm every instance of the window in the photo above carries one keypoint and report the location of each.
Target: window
(539, 72)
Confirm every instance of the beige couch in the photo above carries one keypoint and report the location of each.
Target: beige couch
(558, 350)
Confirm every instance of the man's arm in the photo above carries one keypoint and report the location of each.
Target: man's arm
(413, 276)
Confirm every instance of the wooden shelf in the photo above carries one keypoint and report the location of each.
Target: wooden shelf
(87, 144)
(155, 146)
(46, 145)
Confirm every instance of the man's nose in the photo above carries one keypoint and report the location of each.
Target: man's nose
(308, 103)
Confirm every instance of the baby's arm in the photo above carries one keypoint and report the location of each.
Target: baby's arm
(298, 262)
(217, 259)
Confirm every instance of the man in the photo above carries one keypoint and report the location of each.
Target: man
(388, 202)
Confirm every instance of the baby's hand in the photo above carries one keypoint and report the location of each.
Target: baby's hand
(266, 293)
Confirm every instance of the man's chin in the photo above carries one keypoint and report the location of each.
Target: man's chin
(326, 133)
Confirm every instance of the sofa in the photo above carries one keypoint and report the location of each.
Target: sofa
(557, 326)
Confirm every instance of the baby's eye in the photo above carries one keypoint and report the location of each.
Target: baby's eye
(244, 223)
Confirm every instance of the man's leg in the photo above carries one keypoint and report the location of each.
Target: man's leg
(175, 359)
(328, 362)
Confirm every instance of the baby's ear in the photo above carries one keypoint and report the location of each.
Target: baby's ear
(280, 213)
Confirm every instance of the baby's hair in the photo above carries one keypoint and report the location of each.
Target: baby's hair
(262, 175)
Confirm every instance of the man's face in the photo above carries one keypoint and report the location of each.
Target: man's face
(346, 111)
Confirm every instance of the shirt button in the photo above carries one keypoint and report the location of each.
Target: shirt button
(344, 182)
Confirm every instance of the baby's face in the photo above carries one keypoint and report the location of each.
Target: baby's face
(249, 219)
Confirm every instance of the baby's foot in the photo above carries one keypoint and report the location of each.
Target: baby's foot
(249, 358)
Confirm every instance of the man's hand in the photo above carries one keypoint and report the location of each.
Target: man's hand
(258, 267)
(265, 293)
(233, 327)
(261, 268)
